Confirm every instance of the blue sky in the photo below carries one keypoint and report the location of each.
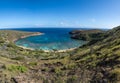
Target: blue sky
(59, 13)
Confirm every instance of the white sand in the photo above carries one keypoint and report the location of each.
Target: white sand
(65, 50)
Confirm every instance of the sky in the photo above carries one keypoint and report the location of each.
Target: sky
(59, 13)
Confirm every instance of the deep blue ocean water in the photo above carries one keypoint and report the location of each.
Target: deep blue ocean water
(53, 38)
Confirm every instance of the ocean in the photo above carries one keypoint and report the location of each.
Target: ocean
(53, 38)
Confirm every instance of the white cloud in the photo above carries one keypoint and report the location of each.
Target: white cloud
(93, 20)
(62, 23)
(69, 24)
(38, 25)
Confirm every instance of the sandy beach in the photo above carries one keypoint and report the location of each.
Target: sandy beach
(39, 33)
(65, 50)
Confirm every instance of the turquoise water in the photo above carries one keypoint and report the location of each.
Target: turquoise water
(53, 38)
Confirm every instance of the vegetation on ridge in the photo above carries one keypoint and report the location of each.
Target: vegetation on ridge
(97, 62)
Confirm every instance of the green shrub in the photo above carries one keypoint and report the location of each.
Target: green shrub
(33, 63)
(58, 71)
(71, 66)
(71, 79)
(11, 45)
(20, 68)
(18, 58)
(115, 75)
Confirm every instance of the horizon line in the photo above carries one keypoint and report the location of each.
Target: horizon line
(54, 27)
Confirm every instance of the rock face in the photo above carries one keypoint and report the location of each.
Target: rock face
(86, 35)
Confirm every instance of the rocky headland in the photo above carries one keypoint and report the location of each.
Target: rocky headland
(86, 34)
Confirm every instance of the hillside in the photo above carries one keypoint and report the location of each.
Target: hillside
(97, 62)
(87, 34)
(12, 35)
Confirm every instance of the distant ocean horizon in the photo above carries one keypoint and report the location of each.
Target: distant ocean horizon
(53, 38)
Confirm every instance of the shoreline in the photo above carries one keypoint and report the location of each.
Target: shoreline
(39, 33)
(25, 36)
(65, 50)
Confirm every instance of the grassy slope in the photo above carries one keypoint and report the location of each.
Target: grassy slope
(25, 60)
(95, 63)
(103, 57)
(11, 35)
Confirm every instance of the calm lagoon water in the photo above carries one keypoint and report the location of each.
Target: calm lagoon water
(53, 38)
